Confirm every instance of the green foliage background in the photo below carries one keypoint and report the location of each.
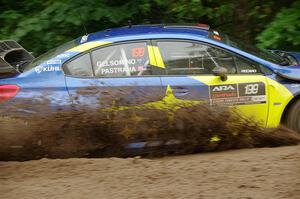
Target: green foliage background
(41, 25)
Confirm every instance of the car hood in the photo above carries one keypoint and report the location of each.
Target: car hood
(296, 55)
(288, 72)
(291, 72)
(281, 53)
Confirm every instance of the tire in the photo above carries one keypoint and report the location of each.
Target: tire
(293, 117)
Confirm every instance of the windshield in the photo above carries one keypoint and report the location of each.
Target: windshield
(50, 54)
(233, 42)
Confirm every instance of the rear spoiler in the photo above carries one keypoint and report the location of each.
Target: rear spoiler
(12, 55)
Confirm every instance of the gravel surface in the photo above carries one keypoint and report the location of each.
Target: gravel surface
(248, 173)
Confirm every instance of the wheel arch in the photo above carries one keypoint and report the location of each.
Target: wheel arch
(288, 107)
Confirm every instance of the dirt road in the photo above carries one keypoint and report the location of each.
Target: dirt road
(249, 173)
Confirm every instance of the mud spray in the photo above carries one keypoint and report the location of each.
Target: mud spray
(34, 130)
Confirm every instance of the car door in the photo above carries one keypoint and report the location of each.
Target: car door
(114, 75)
(189, 73)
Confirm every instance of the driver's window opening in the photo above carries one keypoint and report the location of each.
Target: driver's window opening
(190, 58)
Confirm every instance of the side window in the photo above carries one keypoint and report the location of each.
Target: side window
(129, 59)
(245, 66)
(189, 58)
(80, 66)
(265, 70)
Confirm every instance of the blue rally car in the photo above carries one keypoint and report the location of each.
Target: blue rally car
(162, 65)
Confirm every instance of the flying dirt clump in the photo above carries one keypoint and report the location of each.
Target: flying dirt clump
(86, 132)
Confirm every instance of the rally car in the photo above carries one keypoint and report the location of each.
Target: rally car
(190, 63)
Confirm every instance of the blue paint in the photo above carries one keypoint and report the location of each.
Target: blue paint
(47, 80)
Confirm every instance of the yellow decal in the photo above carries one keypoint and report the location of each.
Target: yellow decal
(88, 46)
(279, 97)
(169, 104)
(269, 114)
(151, 56)
(159, 59)
(215, 139)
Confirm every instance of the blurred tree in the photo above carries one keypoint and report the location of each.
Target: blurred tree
(41, 25)
(284, 31)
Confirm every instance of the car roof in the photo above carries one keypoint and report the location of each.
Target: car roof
(199, 30)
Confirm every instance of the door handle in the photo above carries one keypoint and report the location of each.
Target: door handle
(178, 92)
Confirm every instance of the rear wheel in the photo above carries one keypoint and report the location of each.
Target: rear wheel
(293, 117)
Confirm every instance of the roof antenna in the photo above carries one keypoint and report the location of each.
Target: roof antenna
(129, 23)
(84, 28)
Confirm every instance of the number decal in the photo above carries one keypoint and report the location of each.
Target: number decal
(138, 52)
(251, 89)
(238, 94)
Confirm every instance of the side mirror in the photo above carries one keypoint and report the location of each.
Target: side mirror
(221, 72)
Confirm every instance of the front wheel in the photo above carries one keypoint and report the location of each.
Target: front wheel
(293, 117)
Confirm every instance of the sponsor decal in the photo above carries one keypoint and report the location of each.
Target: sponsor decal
(223, 91)
(248, 71)
(84, 39)
(224, 88)
(238, 94)
(216, 33)
(111, 63)
(40, 69)
(63, 56)
(118, 70)
(54, 62)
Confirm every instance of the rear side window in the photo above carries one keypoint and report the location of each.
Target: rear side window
(80, 66)
(190, 58)
(129, 59)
